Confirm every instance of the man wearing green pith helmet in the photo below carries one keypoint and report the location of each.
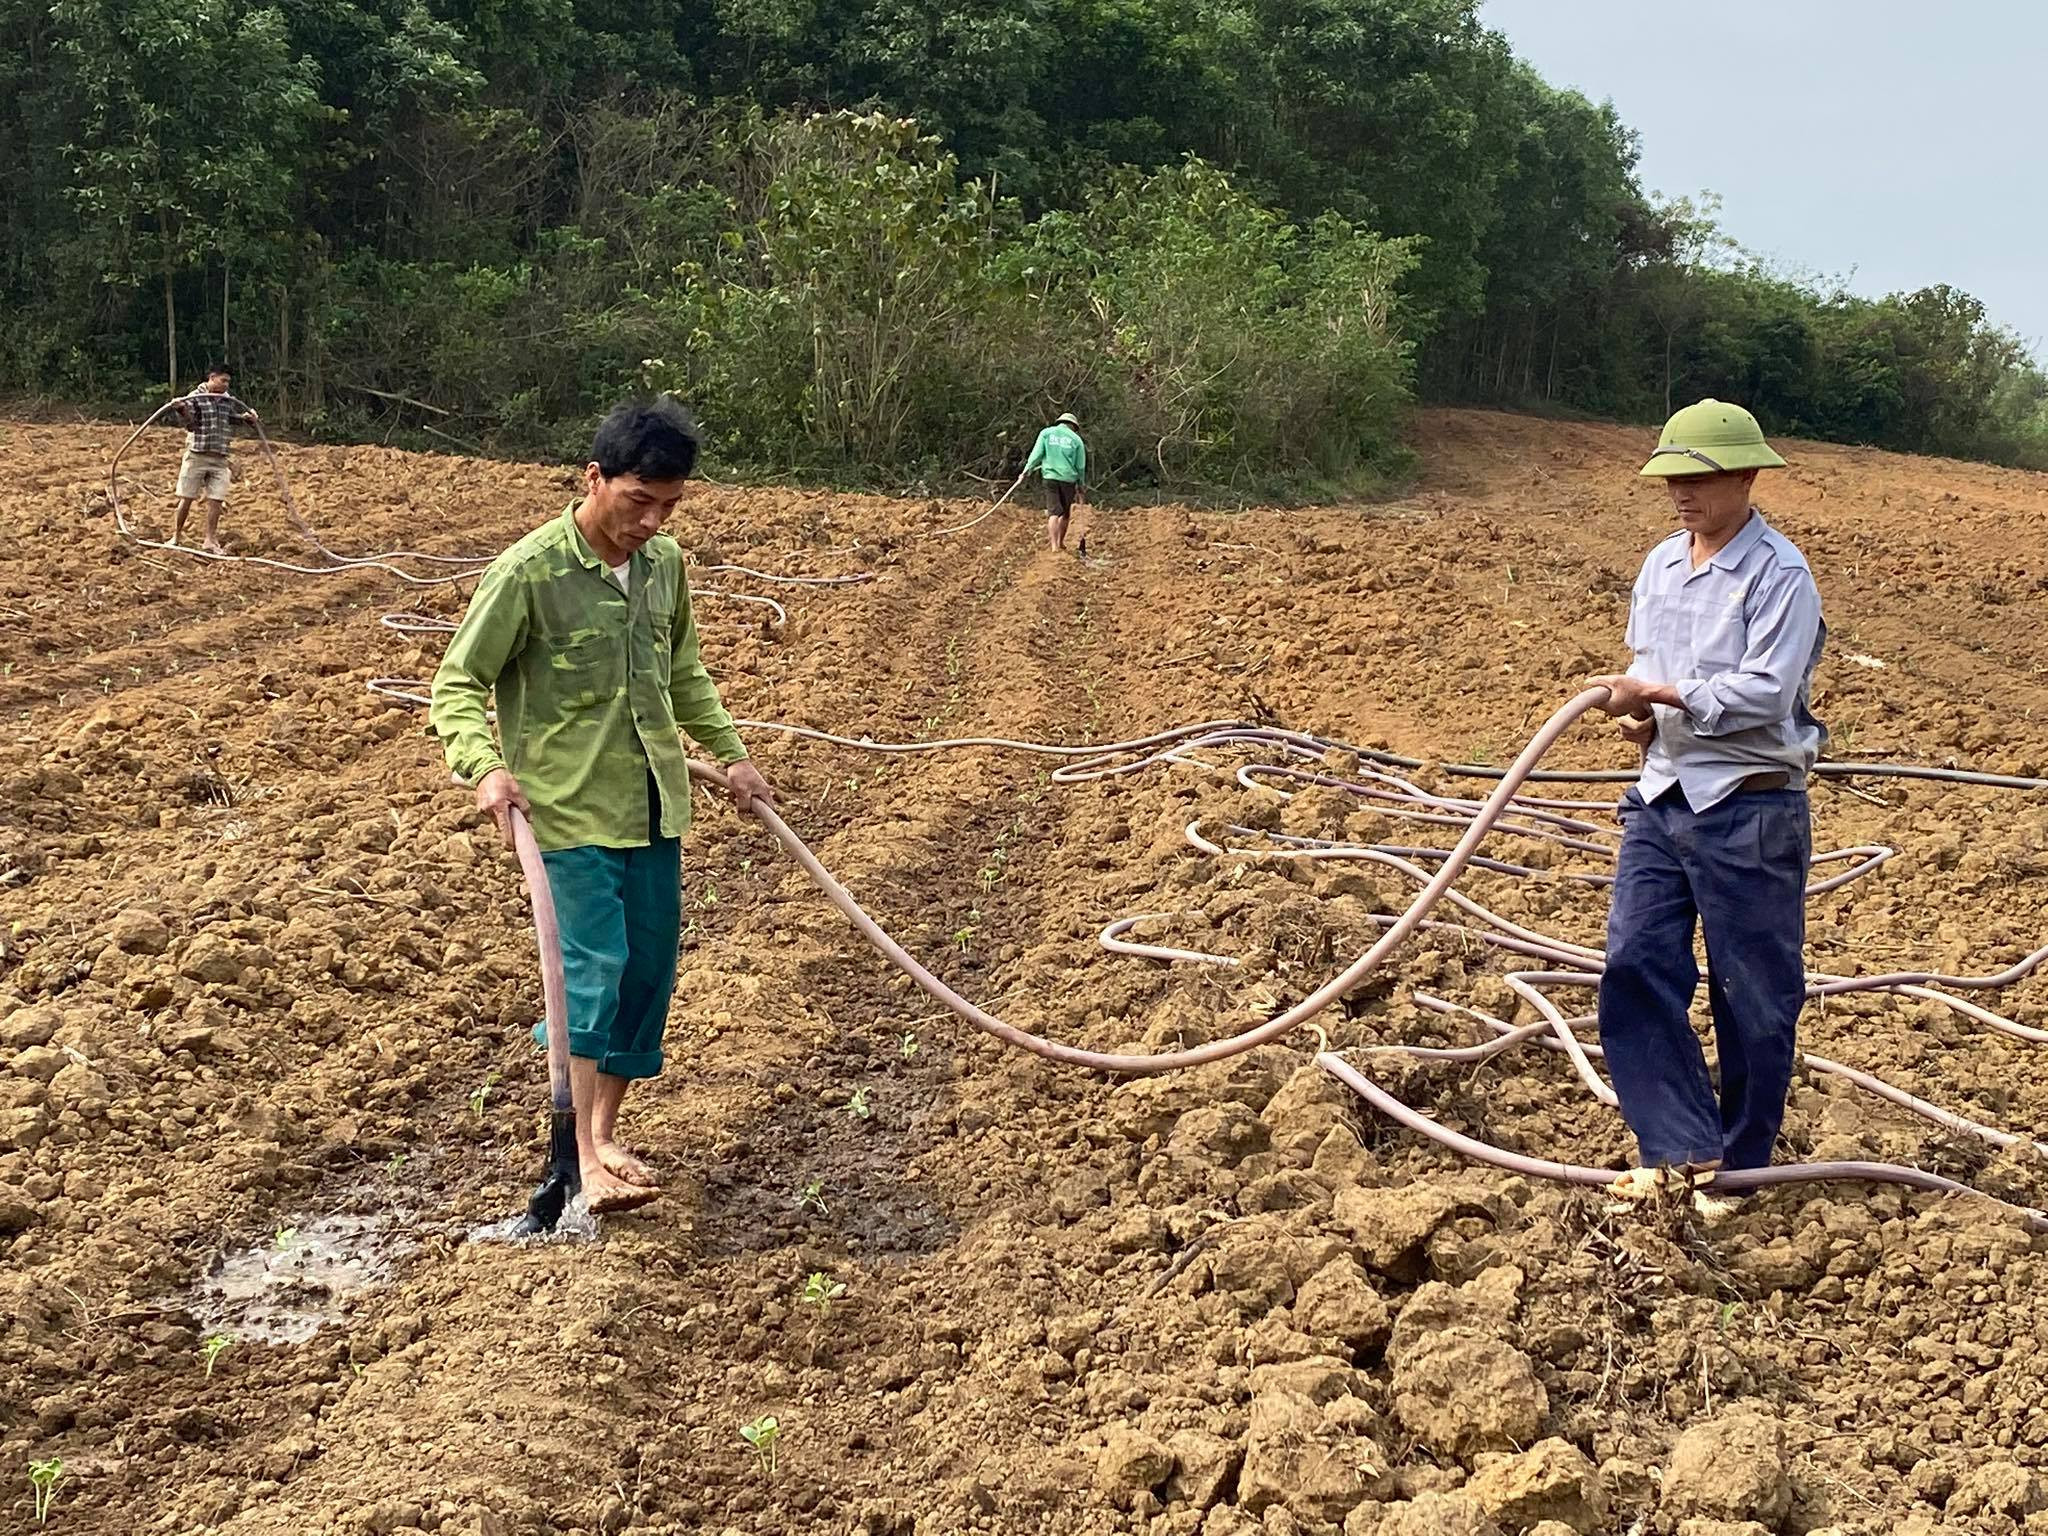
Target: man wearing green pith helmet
(1061, 459)
(1726, 628)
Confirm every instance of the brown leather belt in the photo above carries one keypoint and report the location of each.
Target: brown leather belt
(1758, 782)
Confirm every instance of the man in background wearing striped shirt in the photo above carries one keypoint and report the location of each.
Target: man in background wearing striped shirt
(204, 474)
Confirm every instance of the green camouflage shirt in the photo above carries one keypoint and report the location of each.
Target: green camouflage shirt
(591, 687)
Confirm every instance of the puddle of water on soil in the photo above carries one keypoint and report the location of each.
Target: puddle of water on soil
(285, 1292)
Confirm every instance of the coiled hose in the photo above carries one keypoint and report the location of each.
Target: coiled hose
(1399, 928)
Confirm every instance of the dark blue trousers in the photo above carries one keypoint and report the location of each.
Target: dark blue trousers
(1739, 868)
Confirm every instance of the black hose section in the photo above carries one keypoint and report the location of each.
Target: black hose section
(562, 1181)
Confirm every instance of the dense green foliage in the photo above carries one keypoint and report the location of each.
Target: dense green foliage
(888, 239)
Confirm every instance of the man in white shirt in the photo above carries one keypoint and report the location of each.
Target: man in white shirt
(1726, 627)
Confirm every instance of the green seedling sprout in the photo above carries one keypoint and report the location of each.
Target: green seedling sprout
(43, 1478)
(762, 1435)
(820, 1291)
(964, 939)
(858, 1105)
(483, 1091)
(907, 1045)
(285, 1237)
(812, 1197)
(213, 1348)
(998, 861)
(710, 896)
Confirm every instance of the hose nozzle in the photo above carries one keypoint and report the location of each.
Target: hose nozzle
(563, 1179)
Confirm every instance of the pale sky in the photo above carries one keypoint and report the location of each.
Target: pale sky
(1895, 140)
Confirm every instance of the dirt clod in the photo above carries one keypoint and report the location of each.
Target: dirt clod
(1550, 1483)
(1224, 1134)
(1391, 1225)
(1132, 1462)
(1998, 1489)
(1427, 1514)
(1486, 1304)
(1338, 1302)
(209, 957)
(1206, 1468)
(1302, 1456)
(26, 1026)
(139, 932)
(1461, 1393)
(1732, 1468)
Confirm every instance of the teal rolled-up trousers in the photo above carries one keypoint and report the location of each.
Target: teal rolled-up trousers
(621, 913)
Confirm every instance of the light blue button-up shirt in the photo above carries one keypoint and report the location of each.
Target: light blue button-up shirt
(1739, 637)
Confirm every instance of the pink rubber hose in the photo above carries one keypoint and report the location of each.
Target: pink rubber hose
(548, 935)
(1735, 1181)
(1555, 1030)
(1215, 1050)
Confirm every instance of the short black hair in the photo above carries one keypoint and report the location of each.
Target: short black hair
(213, 368)
(655, 439)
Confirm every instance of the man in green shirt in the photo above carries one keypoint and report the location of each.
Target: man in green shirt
(1061, 459)
(584, 631)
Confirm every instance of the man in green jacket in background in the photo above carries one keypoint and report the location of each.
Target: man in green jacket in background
(584, 631)
(1061, 459)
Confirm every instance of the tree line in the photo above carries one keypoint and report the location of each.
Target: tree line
(878, 240)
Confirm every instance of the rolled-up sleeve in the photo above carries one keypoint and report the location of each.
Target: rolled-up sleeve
(693, 695)
(492, 633)
(1783, 625)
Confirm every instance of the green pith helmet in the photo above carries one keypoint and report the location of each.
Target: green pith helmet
(1710, 438)
(1068, 419)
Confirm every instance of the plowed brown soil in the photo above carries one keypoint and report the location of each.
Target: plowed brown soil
(264, 992)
